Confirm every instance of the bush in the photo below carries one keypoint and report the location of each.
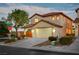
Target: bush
(2, 40)
(10, 40)
(52, 38)
(66, 40)
(13, 36)
(70, 35)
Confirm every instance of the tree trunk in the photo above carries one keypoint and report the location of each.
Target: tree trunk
(16, 28)
(17, 32)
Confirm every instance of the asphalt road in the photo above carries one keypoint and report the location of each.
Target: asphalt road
(7, 50)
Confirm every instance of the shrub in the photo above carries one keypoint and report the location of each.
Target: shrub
(51, 38)
(2, 40)
(23, 36)
(70, 35)
(53, 43)
(66, 40)
(13, 36)
(10, 40)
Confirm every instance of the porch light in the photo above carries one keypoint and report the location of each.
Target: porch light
(25, 31)
(54, 30)
(32, 31)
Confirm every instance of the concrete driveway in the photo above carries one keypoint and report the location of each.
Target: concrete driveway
(25, 43)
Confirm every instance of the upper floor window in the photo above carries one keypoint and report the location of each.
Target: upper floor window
(53, 18)
(36, 20)
(57, 17)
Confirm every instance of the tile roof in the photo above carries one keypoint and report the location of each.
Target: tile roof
(52, 14)
(76, 10)
(31, 25)
(76, 20)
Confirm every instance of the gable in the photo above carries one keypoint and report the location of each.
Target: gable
(67, 17)
(42, 25)
(35, 17)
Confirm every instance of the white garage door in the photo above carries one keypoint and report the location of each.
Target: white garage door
(42, 33)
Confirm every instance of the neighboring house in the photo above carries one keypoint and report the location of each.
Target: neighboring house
(50, 24)
(77, 23)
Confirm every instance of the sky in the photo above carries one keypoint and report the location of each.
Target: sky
(41, 8)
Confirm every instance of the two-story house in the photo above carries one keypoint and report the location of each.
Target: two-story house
(50, 24)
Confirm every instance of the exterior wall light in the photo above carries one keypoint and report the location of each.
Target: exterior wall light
(54, 30)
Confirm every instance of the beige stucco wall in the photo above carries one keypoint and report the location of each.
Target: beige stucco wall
(42, 25)
(59, 22)
(59, 32)
(33, 19)
(76, 29)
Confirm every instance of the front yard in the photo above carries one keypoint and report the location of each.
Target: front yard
(44, 44)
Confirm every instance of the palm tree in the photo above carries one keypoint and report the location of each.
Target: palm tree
(20, 17)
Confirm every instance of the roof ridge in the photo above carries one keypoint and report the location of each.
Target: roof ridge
(46, 22)
(51, 14)
(52, 23)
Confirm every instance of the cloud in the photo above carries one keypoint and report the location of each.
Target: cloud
(34, 9)
(30, 9)
(69, 13)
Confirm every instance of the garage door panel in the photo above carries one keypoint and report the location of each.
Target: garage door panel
(42, 33)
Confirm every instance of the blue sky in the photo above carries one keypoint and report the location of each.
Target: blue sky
(31, 8)
(59, 6)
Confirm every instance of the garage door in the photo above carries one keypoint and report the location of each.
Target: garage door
(42, 33)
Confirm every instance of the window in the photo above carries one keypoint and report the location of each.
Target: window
(53, 18)
(36, 20)
(68, 31)
(57, 17)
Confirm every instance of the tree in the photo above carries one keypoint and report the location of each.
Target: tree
(3, 28)
(3, 18)
(20, 17)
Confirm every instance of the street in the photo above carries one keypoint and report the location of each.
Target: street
(7, 50)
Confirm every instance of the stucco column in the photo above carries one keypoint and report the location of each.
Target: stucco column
(76, 30)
